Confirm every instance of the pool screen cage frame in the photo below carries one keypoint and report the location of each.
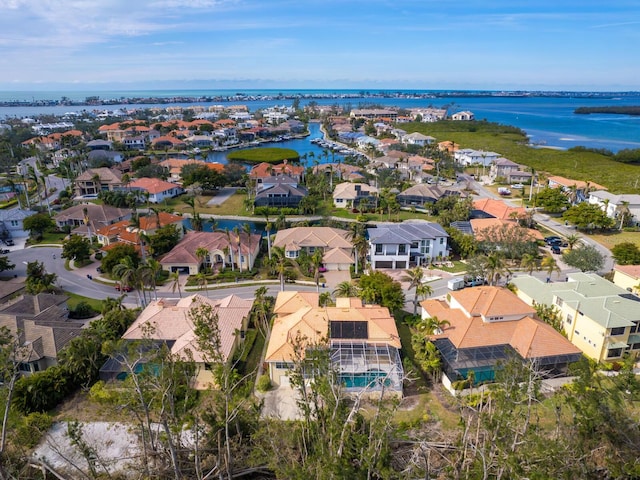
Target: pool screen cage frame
(352, 360)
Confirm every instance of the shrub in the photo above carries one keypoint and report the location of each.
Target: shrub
(98, 256)
(82, 310)
(264, 383)
(35, 425)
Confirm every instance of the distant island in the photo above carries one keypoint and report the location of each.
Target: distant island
(618, 110)
(96, 101)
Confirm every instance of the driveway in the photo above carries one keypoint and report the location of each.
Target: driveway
(223, 195)
(335, 277)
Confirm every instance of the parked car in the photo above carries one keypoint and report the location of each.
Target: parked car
(4, 251)
(474, 281)
(123, 288)
(9, 242)
(553, 238)
(556, 249)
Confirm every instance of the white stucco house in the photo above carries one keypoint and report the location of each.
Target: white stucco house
(400, 246)
(614, 205)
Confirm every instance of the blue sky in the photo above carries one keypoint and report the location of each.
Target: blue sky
(421, 44)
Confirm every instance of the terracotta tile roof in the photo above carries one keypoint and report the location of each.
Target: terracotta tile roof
(151, 185)
(312, 323)
(579, 184)
(263, 170)
(497, 208)
(337, 255)
(214, 242)
(631, 270)
(170, 319)
(468, 313)
(289, 302)
(107, 175)
(318, 237)
(482, 225)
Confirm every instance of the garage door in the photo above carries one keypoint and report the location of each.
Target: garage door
(383, 264)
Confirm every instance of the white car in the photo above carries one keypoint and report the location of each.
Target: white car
(518, 186)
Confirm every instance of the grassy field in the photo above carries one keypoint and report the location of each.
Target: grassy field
(49, 238)
(610, 240)
(269, 155)
(232, 206)
(617, 177)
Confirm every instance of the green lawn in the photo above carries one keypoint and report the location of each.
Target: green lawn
(234, 205)
(49, 237)
(74, 299)
(264, 154)
(617, 177)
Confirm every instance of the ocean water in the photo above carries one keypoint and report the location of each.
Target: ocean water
(547, 120)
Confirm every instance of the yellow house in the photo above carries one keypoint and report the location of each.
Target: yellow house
(598, 317)
(627, 277)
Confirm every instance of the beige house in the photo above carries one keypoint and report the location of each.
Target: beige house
(350, 195)
(363, 341)
(167, 321)
(43, 327)
(600, 318)
(223, 250)
(334, 242)
(95, 180)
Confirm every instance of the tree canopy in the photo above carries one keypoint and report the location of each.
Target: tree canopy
(379, 288)
(587, 216)
(585, 257)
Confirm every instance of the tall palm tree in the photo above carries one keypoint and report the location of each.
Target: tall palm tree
(529, 262)
(149, 272)
(281, 264)
(246, 228)
(346, 289)
(267, 229)
(316, 263)
(230, 248)
(201, 278)
(414, 276)
(422, 292)
(127, 272)
(202, 254)
(236, 233)
(325, 299)
(623, 213)
(175, 282)
(550, 265)
(496, 267)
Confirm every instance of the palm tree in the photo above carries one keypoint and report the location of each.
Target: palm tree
(246, 228)
(149, 274)
(325, 299)
(623, 212)
(236, 232)
(346, 289)
(127, 272)
(230, 248)
(530, 263)
(415, 277)
(316, 263)
(496, 267)
(281, 264)
(422, 292)
(432, 325)
(267, 229)
(201, 278)
(550, 265)
(175, 282)
(202, 254)
(572, 240)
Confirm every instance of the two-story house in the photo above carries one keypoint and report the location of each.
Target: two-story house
(624, 208)
(487, 326)
(598, 317)
(279, 191)
(95, 180)
(352, 195)
(400, 246)
(334, 242)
